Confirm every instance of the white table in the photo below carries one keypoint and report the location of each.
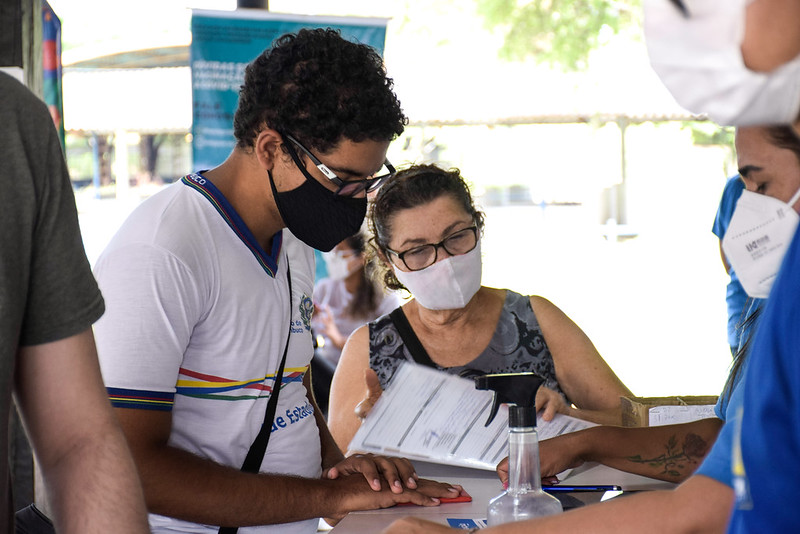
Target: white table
(483, 486)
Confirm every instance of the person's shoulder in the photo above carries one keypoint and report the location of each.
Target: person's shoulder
(512, 299)
(15, 93)
(24, 117)
(383, 321)
(20, 102)
(158, 226)
(157, 210)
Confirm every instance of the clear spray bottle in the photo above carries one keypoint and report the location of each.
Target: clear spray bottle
(524, 498)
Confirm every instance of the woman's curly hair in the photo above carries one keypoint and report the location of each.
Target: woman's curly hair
(320, 88)
(409, 188)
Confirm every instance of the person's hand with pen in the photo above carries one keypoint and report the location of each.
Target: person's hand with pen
(556, 455)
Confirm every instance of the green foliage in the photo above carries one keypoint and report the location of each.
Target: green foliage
(709, 134)
(559, 32)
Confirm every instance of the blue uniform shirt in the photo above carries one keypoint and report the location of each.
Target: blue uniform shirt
(770, 431)
(735, 295)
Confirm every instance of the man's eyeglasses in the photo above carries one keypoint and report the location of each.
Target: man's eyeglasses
(418, 258)
(349, 188)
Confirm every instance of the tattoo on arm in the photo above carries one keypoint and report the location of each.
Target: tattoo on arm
(693, 449)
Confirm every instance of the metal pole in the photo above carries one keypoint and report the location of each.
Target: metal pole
(621, 189)
(95, 142)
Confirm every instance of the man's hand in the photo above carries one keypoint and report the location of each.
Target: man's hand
(414, 525)
(356, 494)
(397, 472)
(372, 394)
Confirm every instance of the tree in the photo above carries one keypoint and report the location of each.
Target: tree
(559, 32)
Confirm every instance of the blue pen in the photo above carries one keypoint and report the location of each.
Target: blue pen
(565, 489)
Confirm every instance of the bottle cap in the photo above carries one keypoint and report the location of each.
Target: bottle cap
(521, 416)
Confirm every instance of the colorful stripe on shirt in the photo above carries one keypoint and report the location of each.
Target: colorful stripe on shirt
(143, 400)
(203, 386)
(200, 385)
(268, 262)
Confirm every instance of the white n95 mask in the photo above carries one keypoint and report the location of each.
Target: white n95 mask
(448, 284)
(699, 59)
(758, 235)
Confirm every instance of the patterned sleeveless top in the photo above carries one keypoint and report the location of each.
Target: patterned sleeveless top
(517, 346)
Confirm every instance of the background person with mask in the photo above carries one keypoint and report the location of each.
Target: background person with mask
(209, 303)
(348, 297)
(427, 236)
(769, 163)
(345, 300)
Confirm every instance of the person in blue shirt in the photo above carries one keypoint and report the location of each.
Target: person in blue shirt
(756, 451)
(768, 440)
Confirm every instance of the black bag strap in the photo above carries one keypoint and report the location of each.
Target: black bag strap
(410, 339)
(252, 462)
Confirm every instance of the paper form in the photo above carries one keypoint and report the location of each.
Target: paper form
(670, 415)
(434, 416)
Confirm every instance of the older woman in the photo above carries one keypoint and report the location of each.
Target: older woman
(427, 233)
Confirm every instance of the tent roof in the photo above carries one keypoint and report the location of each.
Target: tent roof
(149, 90)
(151, 100)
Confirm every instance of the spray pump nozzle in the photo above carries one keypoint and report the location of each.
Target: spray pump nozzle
(516, 389)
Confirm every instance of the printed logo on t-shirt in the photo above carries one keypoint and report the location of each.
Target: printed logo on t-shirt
(306, 311)
(292, 416)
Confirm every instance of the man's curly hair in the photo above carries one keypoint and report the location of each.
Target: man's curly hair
(320, 88)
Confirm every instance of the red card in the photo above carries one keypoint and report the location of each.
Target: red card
(464, 497)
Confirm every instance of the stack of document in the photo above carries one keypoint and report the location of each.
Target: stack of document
(429, 415)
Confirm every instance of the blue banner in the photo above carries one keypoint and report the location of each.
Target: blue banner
(223, 43)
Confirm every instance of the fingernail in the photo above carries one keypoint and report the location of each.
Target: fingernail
(435, 500)
(412, 483)
(505, 485)
(376, 483)
(397, 484)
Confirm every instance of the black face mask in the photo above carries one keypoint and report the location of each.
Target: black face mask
(317, 216)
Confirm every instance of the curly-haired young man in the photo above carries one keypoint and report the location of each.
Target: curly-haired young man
(203, 288)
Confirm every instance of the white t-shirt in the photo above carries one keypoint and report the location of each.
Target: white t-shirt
(333, 295)
(196, 322)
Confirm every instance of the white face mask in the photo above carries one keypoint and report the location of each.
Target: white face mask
(448, 284)
(758, 235)
(337, 265)
(699, 59)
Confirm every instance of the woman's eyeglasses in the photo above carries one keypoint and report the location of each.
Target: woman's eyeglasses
(457, 243)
